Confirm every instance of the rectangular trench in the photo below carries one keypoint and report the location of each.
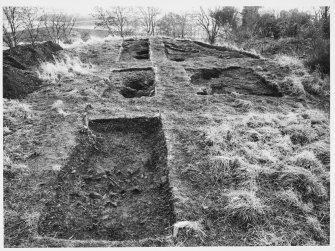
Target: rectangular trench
(132, 83)
(115, 190)
(135, 49)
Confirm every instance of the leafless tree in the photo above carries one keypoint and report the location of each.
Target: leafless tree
(174, 25)
(149, 19)
(209, 24)
(58, 26)
(12, 25)
(32, 23)
(115, 19)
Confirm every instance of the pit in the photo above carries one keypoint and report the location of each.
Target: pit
(135, 49)
(116, 189)
(137, 82)
(231, 79)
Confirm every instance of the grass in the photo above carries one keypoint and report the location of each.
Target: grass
(68, 66)
(301, 80)
(243, 175)
(279, 172)
(244, 208)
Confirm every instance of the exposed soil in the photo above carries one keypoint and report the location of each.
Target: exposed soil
(135, 50)
(117, 190)
(31, 56)
(133, 83)
(232, 79)
(18, 83)
(19, 78)
(181, 50)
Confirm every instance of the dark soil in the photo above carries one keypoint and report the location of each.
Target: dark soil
(18, 83)
(133, 83)
(180, 50)
(30, 56)
(226, 49)
(19, 78)
(117, 190)
(232, 79)
(135, 49)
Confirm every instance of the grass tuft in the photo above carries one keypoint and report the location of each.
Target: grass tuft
(244, 208)
(292, 200)
(302, 180)
(292, 85)
(66, 67)
(307, 160)
(300, 133)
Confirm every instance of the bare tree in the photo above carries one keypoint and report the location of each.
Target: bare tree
(149, 19)
(32, 23)
(209, 24)
(174, 25)
(58, 26)
(12, 25)
(116, 19)
(227, 18)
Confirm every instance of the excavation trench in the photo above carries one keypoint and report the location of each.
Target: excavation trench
(137, 83)
(231, 79)
(115, 189)
(135, 49)
(179, 51)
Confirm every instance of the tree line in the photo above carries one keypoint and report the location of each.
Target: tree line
(32, 24)
(224, 23)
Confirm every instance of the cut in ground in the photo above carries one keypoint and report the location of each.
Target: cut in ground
(135, 49)
(116, 188)
(137, 83)
(232, 79)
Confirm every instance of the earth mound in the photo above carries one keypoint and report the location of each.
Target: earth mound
(19, 78)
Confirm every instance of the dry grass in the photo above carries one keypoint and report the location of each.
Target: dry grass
(64, 67)
(279, 172)
(302, 180)
(244, 208)
(300, 80)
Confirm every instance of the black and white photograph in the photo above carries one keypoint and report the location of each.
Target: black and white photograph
(129, 124)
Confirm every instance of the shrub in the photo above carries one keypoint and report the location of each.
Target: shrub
(317, 83)
(320, 56)
(85, 36)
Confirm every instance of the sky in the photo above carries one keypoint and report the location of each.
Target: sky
(85, 7)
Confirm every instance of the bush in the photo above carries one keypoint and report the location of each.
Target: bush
(320, 56)
(85, 36)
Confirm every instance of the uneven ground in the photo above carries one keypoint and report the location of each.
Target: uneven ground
(219, 139)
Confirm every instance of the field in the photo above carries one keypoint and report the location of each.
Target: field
(164, 142)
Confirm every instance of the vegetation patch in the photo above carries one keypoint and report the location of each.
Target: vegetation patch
(115, 187)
